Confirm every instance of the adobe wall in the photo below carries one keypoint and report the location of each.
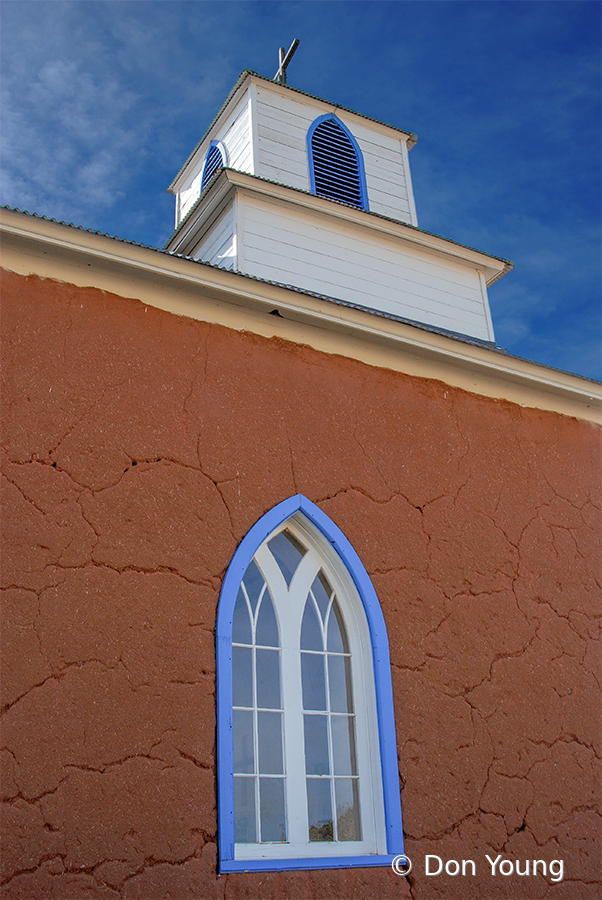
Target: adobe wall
(139, 449)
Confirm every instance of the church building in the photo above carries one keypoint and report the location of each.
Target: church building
(301, 570)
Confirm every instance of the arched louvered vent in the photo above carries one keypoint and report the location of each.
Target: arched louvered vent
(213, 161)
(335, 162)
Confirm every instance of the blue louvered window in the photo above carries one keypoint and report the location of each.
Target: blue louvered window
(336, 165)
(214, 160)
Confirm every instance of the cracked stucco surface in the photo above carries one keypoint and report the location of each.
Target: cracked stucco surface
(138, 450)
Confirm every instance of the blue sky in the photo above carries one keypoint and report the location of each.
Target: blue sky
(103, 101)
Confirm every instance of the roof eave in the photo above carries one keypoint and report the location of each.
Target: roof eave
(494, 267)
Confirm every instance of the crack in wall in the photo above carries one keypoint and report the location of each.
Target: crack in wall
(468, 481)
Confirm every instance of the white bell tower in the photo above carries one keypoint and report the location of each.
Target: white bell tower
(290, 188)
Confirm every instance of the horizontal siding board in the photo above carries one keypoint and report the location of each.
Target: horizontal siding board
(404, 305)
(237, 140)
(292, 159)
(360, 270)
(347, 284)
(400, 211)
(381, 250)
(353, 269)
(343, 281)
(190, 195)
(380, 196)
(280, 138)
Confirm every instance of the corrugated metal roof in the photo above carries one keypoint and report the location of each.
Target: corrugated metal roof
(368, 212)
(246, 73)
(462, 338)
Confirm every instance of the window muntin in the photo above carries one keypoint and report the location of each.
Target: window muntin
(328, 719)
(336, 166)
(330, 801)
(257, 715)
(366, 789)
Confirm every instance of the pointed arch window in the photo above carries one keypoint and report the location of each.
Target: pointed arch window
(307, 764)
(214, 160)
(336, 164)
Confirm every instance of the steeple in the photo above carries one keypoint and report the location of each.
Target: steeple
(291, 188)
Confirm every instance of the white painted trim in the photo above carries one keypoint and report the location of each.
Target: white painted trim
(254, 128)
(487, 308)
(238, 231)
(194, 227)
(34, 246)
(409, 187)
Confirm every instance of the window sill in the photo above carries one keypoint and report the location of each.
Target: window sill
(313, 862)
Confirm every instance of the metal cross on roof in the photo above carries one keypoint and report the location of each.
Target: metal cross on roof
(283, 61)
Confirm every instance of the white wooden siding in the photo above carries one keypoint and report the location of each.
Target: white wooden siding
(218, 245)
(385, 173)
(265, 134)
(237, 139)
(282, 124)
(333, 258)
(235, 134)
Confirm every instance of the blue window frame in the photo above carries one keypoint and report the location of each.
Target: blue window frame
(214, 160)
(336, 164)
(307, 756)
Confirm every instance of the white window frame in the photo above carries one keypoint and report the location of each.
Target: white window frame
(380, 812)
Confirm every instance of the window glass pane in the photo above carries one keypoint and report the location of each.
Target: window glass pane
(311, 630)
(270, 743)
(348, 810)
(271, 805)
(254, 583)
(241, 624)
(319, 809)
(322, 591)
(245, 831)
(316, 745)
(267, 628)
(242, 723)
(343, 745)
(288, 553)
(268, 678)
(313, 681)
(337, 636)
(242, 676)
(339, 684)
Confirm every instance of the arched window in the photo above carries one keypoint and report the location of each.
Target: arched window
(307, 761)
(214, 160)
(336, 165)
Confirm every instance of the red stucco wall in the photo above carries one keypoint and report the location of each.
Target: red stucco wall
(139, 448)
